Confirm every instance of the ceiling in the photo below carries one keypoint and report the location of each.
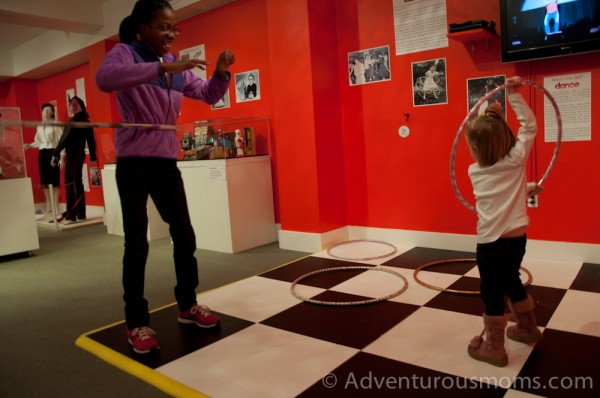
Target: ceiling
(39, 38)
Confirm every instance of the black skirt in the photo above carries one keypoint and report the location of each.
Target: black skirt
(48, 173)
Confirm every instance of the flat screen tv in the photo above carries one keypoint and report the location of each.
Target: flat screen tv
(533, 29)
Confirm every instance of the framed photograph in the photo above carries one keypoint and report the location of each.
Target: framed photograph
(70, 93)
(222, 103)
(480, 87)
(196, 52)
(95, 176)
(429, 82)
(247, 86)
(369, 66)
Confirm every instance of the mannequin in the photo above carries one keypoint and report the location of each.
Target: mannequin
(46, 139)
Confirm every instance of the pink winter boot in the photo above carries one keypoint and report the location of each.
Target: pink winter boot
(509, 312)
(526, 330)
(492, 349)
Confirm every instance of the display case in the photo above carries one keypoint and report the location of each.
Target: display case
(225, 138)
(219, 138)
(229, 191)
(12, 154)
(18, 230)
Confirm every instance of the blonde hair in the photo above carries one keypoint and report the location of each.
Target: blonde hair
(491, 135)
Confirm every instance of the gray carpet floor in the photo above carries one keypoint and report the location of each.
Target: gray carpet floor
(72, 285)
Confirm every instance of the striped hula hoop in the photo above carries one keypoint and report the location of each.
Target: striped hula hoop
(33, 123)
(472, 113)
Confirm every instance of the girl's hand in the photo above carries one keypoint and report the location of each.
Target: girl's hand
(513, 84)
(533, 189)
(183, 65)
(225, 60)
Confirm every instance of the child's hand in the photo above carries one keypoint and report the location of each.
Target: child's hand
(533, 189)
(513, 84)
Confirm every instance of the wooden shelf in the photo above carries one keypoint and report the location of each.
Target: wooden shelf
(472, 36)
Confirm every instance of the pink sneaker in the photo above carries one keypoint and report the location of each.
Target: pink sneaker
(142, 339)
(199, 315)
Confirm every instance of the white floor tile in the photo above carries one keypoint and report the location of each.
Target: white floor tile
(259, 361)
(551, 273)
(474, 273)
(438, 340)
(420, 295)
(380, 284)
(578, 312)
(519, 394)
(373, 284)
(255, 299)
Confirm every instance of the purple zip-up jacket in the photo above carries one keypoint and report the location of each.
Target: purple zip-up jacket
(144, 96)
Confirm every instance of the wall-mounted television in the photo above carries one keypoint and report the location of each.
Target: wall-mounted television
(532, 29)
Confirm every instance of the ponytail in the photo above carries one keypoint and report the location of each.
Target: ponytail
(128, 30)
(143, 12)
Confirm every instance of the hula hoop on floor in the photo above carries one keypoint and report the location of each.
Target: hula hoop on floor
(456, 291)
(472, 113)
(363, 258)
(348, 303)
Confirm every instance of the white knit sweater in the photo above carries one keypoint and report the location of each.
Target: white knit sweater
(501, 189)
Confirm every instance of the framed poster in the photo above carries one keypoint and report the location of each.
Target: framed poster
(429, 82)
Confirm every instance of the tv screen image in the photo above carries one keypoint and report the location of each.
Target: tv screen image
(532, 29)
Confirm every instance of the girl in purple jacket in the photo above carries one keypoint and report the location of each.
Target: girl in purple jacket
(150, 85)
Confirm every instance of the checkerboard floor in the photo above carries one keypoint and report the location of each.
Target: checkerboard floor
(270, 344)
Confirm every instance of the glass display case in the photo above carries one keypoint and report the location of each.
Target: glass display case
(18, 230)
(12, 154)
(219, 138)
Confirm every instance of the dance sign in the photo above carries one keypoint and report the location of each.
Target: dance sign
(573, 94)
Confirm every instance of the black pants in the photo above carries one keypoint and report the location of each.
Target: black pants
(499, 263)
(138, 178)
(74, 187)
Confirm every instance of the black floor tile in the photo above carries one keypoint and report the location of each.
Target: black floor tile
(324, 280)
(367, 375)
(588, 278)
(465, 304)
(546, 301)
(352, 326)
(563, 364)
(175, 339)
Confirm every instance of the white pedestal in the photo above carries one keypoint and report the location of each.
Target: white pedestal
(18, 229)
(113, 218)
(230, 203)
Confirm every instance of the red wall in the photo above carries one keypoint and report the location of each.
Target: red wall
(404, 183)
(337, 157)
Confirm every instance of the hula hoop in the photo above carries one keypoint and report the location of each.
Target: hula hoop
(363, 258)
(472, 113)
(456, 291)
(33, 123)
(348, 303)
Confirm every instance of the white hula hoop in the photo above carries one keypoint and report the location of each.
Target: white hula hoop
(472, 113)
(329, 251)
(349, 303)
